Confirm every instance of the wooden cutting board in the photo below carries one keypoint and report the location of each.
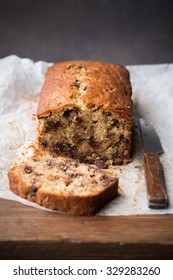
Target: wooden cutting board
(30, 233)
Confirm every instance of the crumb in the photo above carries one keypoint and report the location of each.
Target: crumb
(134, 199)
(33, 117)
(120, 189)
(137, 166)
(18, 158)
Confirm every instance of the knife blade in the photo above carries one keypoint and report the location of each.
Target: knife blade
(156, 190)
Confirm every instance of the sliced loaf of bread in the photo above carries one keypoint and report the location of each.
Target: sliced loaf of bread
(64, 184)
(85, 111)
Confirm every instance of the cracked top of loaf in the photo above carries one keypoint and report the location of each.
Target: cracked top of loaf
(86, 83)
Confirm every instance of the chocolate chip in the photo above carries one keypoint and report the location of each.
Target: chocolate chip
(123, 139)
(68, 181)
(78, 120)
(28, 169)
(70, 66)
(76, 137)
(117, 159)
(101, 164)
(76, 84)
(33, 196)
(107, 113)
(106, 180)
(89, 161)
(44, 143)
(66, 149)
(110, 135)
(52, 125)
(54, 154)
(61, 147)
(94, 107)
(71, 147)
(67, 113)
(75, 175)
(87, 88)
(33, 189)
(57, 125)
(70, 112)
(115, 155)
(93, 143)
(50, 163)
(38, 174)
(116, 123)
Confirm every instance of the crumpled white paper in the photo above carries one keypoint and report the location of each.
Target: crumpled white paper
(20, 84)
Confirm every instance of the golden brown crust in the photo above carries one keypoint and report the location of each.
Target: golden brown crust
(17, 186)
(105, 85)
(77, 205)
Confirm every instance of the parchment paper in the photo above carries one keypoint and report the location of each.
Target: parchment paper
(20, 84)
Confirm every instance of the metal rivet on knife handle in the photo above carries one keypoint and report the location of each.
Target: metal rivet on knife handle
(157, 196)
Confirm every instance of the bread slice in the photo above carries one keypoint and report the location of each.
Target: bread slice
(85, 112)
(63, 183)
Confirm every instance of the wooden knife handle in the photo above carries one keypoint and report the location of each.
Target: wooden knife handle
(157, 196)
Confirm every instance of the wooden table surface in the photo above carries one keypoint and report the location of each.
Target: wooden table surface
(30, 233)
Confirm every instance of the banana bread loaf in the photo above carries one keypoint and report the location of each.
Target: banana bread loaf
(63, 183)
(85, 112)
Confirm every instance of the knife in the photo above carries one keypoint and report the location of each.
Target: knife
(156, 190)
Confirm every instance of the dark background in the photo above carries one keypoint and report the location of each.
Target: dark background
(123, 31)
